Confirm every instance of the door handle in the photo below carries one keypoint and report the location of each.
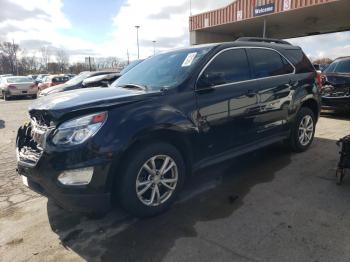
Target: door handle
(250, 93)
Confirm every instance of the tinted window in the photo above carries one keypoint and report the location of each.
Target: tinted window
(299, 60)
(60, 79)
(228, 67)
(339, 66)
(267, 63)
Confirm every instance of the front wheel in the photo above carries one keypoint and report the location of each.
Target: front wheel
(303, 131)
(152, 178)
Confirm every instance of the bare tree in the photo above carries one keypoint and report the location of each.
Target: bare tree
(45, 57)
(324, 60)
(108, 62)
(28, 65)
(62, 59)
(8, 54)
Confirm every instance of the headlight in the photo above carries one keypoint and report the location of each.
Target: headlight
(78, 130)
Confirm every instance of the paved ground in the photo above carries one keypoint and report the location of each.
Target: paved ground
(270, 205)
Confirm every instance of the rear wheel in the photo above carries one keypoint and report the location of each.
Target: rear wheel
(152, 178)
(303, 130)
(5, 96)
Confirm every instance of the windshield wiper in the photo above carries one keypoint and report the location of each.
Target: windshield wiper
(134, 86)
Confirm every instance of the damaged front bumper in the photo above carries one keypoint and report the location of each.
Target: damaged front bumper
(41, 170)
(336, 98)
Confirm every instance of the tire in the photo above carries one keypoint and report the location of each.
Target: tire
(34, 96)
(302, 119)
(5, 96)
(133, 171)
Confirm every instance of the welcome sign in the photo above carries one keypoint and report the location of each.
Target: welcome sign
(264, 9)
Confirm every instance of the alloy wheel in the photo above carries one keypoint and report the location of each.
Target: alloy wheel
(306, 130)
(156, 180)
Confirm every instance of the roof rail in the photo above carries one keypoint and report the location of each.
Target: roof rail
(267, 40)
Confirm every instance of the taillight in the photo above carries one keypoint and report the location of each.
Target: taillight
(32, 86)
(319, 79)
(12, 87)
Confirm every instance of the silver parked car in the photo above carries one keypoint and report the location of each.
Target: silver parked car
(12, 86)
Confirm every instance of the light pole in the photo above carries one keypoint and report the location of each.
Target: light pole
(190, 8)
(154, 47)
(137, 38)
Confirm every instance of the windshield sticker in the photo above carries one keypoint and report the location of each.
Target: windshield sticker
(189, 59)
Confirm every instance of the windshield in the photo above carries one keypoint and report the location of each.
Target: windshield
(339, 66)
(130, 66)
(19, 80)
(164, 70)
(79, 78)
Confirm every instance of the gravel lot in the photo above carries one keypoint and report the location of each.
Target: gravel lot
(270, 205)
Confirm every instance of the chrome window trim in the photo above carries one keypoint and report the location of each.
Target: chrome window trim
(243, 81)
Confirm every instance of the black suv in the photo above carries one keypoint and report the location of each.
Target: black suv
(135, 142)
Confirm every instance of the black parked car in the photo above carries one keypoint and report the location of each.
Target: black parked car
(74, 83)
(136, 142)
(336, 85)
(107, 79)
(101, 80)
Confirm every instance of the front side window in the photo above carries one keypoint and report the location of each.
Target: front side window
(228, 67)
(266, 63)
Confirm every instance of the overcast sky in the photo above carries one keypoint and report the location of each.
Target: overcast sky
(106, 28)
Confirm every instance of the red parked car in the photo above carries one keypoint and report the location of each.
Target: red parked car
(52, 80)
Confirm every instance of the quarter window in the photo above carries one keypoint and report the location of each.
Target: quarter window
(228, 67)
(266, 63)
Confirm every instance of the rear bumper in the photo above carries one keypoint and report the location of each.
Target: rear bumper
(341, 102)
(22, 92)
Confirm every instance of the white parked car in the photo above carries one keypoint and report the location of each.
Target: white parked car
(12, 86)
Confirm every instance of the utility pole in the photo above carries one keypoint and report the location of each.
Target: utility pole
(90, 63)
(154, 47)
(190, 8)
(137, 39)
(264, 28)
(15, 53)
(127, 55)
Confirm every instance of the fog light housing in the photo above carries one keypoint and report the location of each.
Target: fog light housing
(76, 177)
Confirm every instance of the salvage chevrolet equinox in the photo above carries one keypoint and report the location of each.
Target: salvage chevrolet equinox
(136, 142)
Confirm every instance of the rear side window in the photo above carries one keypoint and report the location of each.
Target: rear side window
(299, 60)
(267, 63)
(60, 79)
(228, 67)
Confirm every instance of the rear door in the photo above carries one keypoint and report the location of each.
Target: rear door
(273, 74)
(227, 101)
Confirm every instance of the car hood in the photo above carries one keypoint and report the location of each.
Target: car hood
(57, 105)
(337, 80)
